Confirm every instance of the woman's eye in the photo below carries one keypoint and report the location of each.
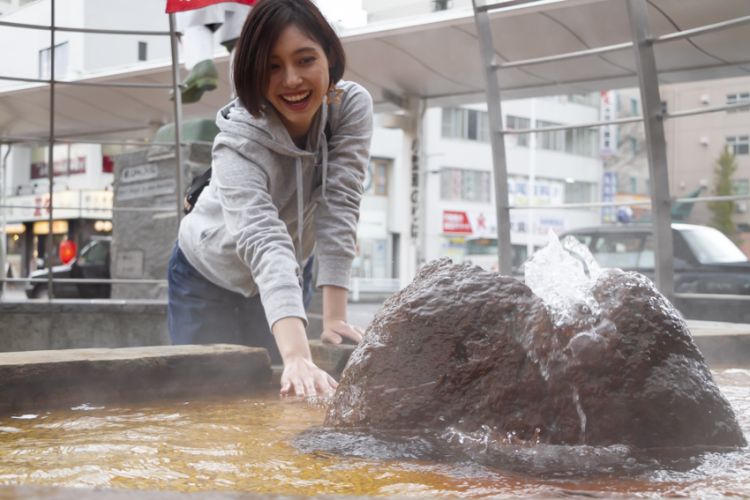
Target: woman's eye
(307, 60)
(274, 67)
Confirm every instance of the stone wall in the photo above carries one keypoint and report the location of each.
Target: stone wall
(33, 326)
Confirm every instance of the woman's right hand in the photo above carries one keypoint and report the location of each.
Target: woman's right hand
(302, 378)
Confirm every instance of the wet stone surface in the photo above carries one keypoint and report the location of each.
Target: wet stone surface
(467, 362)
(37, 380)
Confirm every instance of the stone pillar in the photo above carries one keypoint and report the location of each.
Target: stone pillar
(144, 222)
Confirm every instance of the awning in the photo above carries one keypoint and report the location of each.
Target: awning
(435, 57)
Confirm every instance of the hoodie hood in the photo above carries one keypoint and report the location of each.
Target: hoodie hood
(268, 129)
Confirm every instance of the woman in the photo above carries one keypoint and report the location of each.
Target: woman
(288, 166)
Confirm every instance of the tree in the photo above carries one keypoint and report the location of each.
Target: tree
(722, 211)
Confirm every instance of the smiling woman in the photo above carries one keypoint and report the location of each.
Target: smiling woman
(287, 173)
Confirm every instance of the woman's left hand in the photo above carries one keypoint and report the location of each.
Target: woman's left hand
(336, 331)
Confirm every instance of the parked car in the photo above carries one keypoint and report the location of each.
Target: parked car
(91, 262)
(705, 261)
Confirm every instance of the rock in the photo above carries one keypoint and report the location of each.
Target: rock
(659, 390)
(468, 351)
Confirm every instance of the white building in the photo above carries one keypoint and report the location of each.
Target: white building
(562, 166)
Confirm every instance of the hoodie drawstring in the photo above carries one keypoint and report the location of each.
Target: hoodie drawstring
(300, 187)
(300, 213)
(325, 166)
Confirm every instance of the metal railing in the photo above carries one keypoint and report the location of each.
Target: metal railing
(642, 44)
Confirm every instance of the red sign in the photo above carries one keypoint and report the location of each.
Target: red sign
(456, 222)
(182, 5)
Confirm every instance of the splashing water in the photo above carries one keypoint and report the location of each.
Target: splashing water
(581, 413)
(562, 275)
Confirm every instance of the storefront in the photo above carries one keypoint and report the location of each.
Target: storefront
(78, 215)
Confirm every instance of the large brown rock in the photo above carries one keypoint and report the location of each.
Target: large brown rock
(462, 349)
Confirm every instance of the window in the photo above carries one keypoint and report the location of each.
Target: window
(461, 123)
(554, 141)
(61, 62)
(463, 184)
(739, 144)
(377, 175)
(582, 142)
(738, 98)
(634, 106)
(142, 51)
(68, 159)
(441, 4)
(517, 123)
(633, 184)
(740, 186)
(579, 192)
(620, 250)
(95, 253)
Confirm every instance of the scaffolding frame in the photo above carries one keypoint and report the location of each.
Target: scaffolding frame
(52, 139)
(652, 117)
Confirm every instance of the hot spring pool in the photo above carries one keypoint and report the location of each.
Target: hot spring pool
(244, 445)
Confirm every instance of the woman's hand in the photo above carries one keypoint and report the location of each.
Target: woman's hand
(335, 327)
(335, 331)
(302, 378)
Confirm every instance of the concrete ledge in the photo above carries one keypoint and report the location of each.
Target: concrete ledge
(72, 324)
(722, 344)
(329, 357)
(39, 380)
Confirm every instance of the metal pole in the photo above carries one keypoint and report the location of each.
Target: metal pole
(4, 242)
(50, 153)
(177, 115)
(532, 182)
(656, 145)
(497, 140)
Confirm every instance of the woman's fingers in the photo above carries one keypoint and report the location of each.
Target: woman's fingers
(351, 332)
(285, 387)
(299, 388)
(306, 380)
(330, 337)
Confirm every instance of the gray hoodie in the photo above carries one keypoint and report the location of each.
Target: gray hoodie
(244, 233)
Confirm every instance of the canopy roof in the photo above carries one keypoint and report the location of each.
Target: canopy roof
(435, 57)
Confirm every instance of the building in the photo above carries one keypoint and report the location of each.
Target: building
(626, 177)
(558, 167)
(694, 143)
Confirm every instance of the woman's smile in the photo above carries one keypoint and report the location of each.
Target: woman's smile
(297, 101)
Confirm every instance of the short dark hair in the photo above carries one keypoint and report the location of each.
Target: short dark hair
(264, 24)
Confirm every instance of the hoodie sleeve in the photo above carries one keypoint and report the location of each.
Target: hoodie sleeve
(337, 213)
(263, 241)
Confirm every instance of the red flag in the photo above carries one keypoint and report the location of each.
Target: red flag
(182, 5)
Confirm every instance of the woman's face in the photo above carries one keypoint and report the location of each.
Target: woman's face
(298, 79)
